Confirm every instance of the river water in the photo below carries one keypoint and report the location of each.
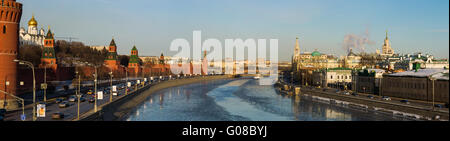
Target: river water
(241, 100)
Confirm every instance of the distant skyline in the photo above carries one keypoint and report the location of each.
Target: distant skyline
(151, 25)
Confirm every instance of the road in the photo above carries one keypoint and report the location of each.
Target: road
(70, 112)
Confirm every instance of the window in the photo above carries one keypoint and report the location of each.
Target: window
(4, 29)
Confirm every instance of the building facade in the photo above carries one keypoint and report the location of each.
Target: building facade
(368, 81)
(418, 85)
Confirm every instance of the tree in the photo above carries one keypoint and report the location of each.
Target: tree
(30, 53)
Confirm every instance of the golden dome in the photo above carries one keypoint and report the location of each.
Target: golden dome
(32, 22)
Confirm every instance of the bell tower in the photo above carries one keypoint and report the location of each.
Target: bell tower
(10, 15)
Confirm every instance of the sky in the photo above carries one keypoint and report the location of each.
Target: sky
(151, 25)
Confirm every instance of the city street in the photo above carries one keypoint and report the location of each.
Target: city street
(70, 112)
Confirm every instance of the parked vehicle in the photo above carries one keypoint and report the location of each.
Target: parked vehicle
(82, 99)
(446, 105)
(347, 93)
(72, 98)
(386, 98)
(369, 96)
(438, 106)
(355, 94)
(59, 100)
(91, 99)
(63, 104)
(404, 101)
(2, 114)
(57, 115)
(2, 111)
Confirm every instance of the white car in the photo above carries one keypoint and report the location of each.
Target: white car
(386, 98)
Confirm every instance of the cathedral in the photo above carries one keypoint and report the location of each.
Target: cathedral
(33, 36)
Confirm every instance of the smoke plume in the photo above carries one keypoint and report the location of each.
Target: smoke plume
(357, 42)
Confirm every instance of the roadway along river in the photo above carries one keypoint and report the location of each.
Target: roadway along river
(241, 100)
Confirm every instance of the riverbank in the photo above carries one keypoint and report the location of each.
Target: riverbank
(119, 108)
(413, 112)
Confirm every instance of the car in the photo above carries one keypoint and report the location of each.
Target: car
(355, 94)
(369, 96)
(386, 98)
(82, 99)
(438, 106)
(72, 98)
(63, 104)
(446, 105)
(2, 112)
(90, 92)
(59, 100)
(404, 101)
(57, 115)
(346, 93)
(91, 99)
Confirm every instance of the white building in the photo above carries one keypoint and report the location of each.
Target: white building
(100, 48)
(32, 36)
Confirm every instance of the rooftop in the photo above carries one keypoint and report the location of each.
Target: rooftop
(436, 73)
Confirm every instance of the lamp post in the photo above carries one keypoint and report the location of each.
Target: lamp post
(110, 93)
(432, 90)
(95, 88)
(78, 94)
(29, 64)
(126, 75)
(45, 83)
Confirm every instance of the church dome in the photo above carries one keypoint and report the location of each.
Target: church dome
(315, 53)
(32, 22)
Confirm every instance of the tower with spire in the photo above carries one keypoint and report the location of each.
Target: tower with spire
(387, 50)
(111, 58)
(133, 64)
(48, 58)
(296, 56)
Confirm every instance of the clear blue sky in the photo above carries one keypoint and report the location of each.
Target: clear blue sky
(413, 25)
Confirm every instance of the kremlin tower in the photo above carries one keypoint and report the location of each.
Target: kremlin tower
(111, 58)
(48, 58)
(134, 61)
(11, 13)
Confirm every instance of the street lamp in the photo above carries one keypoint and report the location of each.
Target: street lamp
(126, 75)
(45, 83)
(110, 93)
(95, 86)
(78, 94)
(29, 64)
(432, 90)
